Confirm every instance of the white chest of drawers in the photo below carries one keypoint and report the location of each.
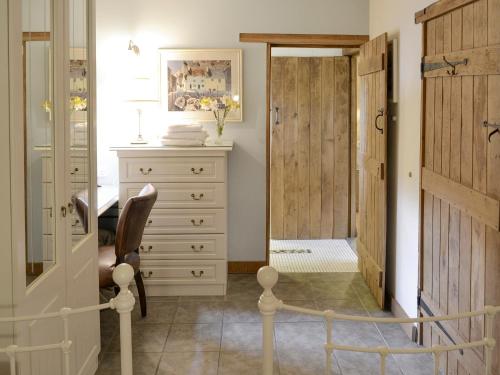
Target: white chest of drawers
(184, 247)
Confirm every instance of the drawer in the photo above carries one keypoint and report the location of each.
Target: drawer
(79, 171)
(184, 272)
(172, 169)
(180, 195)
(185, 221)
(199, 246)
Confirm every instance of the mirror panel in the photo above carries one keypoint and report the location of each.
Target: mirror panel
(38, 137)
(79, 135)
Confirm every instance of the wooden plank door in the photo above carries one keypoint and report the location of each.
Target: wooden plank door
(310, 147)
(372, 160)
(460, 210)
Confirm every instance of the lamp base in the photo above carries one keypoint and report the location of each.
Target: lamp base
(139, 141)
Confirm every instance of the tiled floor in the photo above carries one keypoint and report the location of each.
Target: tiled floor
(222, 335)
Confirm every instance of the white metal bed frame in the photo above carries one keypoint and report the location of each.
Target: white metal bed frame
(269, 304)
(123, 303)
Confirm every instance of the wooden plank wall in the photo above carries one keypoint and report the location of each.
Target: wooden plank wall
(460, 252)
(371, 238)
(310, 147)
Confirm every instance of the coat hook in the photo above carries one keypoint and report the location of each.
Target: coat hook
(486, 124)
(453, 65)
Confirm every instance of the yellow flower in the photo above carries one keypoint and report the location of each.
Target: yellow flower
(47, 106)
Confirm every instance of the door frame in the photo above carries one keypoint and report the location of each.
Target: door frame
(347, 42)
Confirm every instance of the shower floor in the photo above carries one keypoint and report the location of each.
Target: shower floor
(313, 256)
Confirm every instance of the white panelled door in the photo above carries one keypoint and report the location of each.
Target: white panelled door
(52, 142)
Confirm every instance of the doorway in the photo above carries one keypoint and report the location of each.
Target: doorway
(312, 180)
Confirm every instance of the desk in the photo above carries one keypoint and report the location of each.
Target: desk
(107, 195)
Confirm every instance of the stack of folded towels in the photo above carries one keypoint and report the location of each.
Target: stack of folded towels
(184, 135)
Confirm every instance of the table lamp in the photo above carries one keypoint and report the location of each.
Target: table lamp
(142, 92)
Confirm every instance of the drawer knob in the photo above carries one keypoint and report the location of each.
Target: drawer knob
(199, 274)
(144, 172)
(74, 171)
(197, 171)
(148, 275)
(200, 222)
(150, 221)
(197, 249)
(148, 250)
(197, 198)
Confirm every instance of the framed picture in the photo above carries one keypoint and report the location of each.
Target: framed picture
(189, 75)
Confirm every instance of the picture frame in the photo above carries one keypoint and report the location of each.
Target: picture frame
(187, 75)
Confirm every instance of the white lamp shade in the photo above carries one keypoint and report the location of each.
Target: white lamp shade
(142, 90)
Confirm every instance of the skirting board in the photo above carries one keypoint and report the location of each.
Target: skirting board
(397, 310)
(244, 267)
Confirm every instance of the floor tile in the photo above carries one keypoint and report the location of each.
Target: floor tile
(293, 336)
(194, 338)
(241, 311)
(243, 363)
(189, 363)
(343, 306)
(293, 291)
(143, 363)
(146, 338)
(286, 316)
(199, 312)
(332, 290)
(357, 334)
(157, 312)
(238, 337)
(365, 364)
(304, 362)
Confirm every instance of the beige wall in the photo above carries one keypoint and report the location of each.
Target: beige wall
(153, 24)
(396, 17)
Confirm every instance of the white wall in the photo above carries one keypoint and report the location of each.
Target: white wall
(154, 24)
(397, 18)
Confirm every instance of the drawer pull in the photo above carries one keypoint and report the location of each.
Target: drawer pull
(150, 273)
(197, 249)
(150, 221)
(200, 222)
(197, 171)
(145, 173)
(148, 249)
(74, 171)
(200, 273)
(195, 198)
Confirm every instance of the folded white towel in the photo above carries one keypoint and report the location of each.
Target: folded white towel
(182, 142)
(186, 135)
(184, 128)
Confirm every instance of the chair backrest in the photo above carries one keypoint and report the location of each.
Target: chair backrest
(82, 208)
(132, 221)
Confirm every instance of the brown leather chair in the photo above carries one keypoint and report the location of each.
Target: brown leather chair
(129, 233)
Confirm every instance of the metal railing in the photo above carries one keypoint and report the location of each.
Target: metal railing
(269, 305)
(123, 303)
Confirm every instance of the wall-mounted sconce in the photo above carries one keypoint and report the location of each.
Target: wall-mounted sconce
(134, 48)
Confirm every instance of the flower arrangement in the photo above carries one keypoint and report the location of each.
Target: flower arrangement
(220, 107)
(78, 103)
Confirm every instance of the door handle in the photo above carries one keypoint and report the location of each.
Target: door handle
(276, 116)
(196, 171)
(200, 273)
(380, 114)
(197, 198)
(74, 171)
(148, 249)
(63, 211)
(200, 222)
(197, 249)
(71, 207)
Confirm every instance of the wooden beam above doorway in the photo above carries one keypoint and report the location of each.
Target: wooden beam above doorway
(308, 40)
